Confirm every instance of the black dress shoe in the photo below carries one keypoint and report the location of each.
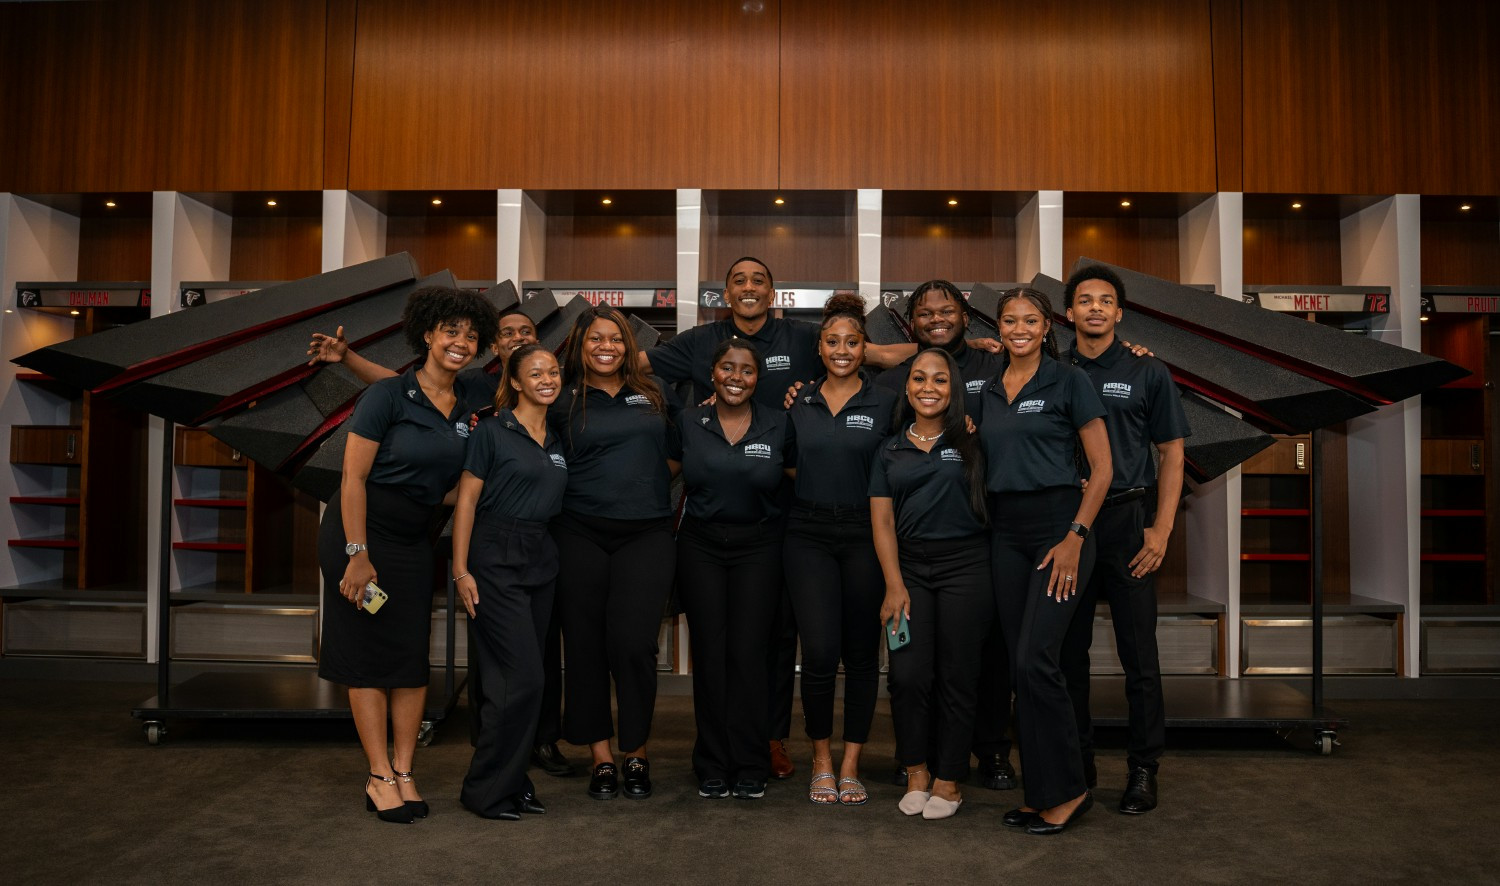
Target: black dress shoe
(749, 789)
(530, 804)
(1041, 827)
(1018, 818)
(898, 777)
(1140, 792)
(637, 778)
(996, 773)
(713, 789)
(550, 760)
(605, 783)
(507, 815)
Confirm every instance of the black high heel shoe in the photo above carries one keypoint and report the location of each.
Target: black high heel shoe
(396, 814)
(418, 807)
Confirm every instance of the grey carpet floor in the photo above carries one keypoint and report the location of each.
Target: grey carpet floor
(1410, 797)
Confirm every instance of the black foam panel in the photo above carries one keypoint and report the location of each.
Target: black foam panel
(882, 329)
(1378, 372)
(1270, 396)
(646, 335)
(232, 376)
(321, 474)
(129, 353)
(553, 331)
(540, 306)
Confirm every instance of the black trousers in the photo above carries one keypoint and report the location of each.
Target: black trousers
(730, 581)
(1120, 532)
(992, 717)
(935, 676)
(514, 564)
(549, 721)
(1025, 526)
(836, 587)
(612, 587)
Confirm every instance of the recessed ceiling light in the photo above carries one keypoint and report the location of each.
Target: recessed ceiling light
(74, 313)
(437, 201)
(1424, 318)
(779, 201)
(9, 311)
(1465, 208)
(952, 201)
(608, 201)
(1124, 204)
(270, 202)
(1296, 205)
(109, 204)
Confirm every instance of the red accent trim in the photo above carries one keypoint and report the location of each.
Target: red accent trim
(44, 542)
(44, 500)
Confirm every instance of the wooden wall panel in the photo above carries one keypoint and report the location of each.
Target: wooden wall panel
(147, 95)
(968, 249)
(601, 247)
(338, 91)
(1146, 244)
(797, 248)
(114, 249)
(1460, 253)
(1292, 251)
(462, 244)
(1076, 94)
(574, 93)
(1229, 108)
(1371, 96)
(275, 248)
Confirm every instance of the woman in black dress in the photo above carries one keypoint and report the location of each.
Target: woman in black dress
(614, 540)
(927, 503)
(404, 453)
(505, 569)
(734, 454)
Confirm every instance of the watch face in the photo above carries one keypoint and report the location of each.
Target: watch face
(351, 549)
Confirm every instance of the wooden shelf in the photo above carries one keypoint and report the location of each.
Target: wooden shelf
(1275, 558)
(210, 502)
(216, 546)
(55, 500)
(1453, 558)
(1453, 512)
(57, 543)
(1275, 512)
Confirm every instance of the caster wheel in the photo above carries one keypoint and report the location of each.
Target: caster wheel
(155, 732)
(1327, 741)
(425, 734)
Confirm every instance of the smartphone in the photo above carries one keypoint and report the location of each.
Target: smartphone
(374, 598)
(896, 632)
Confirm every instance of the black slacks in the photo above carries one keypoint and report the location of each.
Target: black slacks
(1120, 532)
(612, 587)
(514, 564)
(1025, 526)
(730, 581)
(836, 588)
(549, 721)
(935, 676)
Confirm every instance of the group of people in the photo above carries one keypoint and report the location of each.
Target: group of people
(964, 507)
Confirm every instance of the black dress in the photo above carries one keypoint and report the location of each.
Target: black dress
(420, 456)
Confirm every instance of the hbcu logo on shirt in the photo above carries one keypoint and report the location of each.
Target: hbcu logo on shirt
(861, 422)
(462, 427)
(559, 461)
(757, 450)
(951, 454)
(637, 400)
(974, 386)
(1028, 406)
(1117, 389)
(778, 362)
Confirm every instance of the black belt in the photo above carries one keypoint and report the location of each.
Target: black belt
(1123, 496)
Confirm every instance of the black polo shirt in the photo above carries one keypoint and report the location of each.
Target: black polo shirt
(421, 450)
(788, 353)
(974, 365)
(928, 490)
(1143, 408)
(735, 483)
(617, 450)
(1029, 443)
(834, 451)
(522, 480)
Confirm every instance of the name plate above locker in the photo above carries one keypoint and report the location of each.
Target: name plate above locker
(1331, 299)
(634, 294)
(1460, 300)
(196, 294)
(795, 295)
(83, 295)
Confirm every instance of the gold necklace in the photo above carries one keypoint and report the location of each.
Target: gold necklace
(440, 391)
(744, 426)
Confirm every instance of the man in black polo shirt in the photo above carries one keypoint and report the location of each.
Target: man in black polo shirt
(939, 317)
(1143, 411)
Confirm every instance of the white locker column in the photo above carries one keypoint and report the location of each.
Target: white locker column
(1039, 237)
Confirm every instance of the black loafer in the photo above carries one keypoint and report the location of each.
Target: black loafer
(637, 778)
(605, 783)
(1140, 792)
(550, 760)
(749, 789)
(996, 773)
(530, 804)
(713, 789)
(898, 777)
(1018, 818)
(1041, 827)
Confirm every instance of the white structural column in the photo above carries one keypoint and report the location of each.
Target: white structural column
(353, 231)
(520, 237)
(1039, 237)
(1381, 246)
(689, 266)
(868, 203)
(1211, 251)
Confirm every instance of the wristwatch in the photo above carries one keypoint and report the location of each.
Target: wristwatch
(351, 548)
(1080, 529)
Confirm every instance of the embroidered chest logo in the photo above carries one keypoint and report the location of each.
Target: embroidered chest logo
(757, 450)
(778, 362)
(862, 422)
(975, 386)
(950, 454)
(1029, 406)
(1117, 389)
(637, 400)
(559, 461)
(462, 427)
